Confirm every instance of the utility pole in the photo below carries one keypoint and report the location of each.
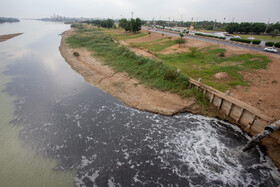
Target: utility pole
(267, 26)
(232, 20)
(214, 24)
(131, 15)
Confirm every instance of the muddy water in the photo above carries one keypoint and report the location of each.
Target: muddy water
(57, 130)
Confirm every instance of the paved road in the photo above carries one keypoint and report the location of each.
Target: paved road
(209, 40)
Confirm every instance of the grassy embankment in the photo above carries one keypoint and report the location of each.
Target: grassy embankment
(156, 45)
(206, 62)
(150, 72)
(203, 63)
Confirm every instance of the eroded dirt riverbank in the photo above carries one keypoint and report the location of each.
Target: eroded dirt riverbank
(122, 86)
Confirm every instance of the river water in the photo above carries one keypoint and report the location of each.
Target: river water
(57, 130)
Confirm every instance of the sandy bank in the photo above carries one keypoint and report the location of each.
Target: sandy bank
(8, 36)
(122, 86)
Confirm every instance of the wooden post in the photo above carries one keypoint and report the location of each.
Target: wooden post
(253, 121)
(240, 115)
(221, 103)
(212, 98)
(230, 108)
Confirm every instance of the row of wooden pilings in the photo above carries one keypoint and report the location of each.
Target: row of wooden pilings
(243, 114)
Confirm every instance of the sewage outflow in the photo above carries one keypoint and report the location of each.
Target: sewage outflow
(257, 139)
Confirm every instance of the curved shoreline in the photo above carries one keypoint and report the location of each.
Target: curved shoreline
(121, 85)
(136, 95)
(8, 36)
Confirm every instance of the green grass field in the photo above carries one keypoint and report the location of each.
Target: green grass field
(156, 45)
(206, 63)
(125, 36)
(259, 37)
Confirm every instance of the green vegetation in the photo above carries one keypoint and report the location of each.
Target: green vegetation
(270, 44)
(277, 44)
(109, 23)
(126, 36)
(243, 40)
(211, 36)
(259, 37)
(76, 53)
(156, 45)
(180, 41)
(151, 72)
(257, 42)
(205, 63)
(133, 25)
(8, 20)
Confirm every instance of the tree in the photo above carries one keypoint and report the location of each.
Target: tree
(149, 33)
(123, 23)
(181, 35)
(180, 41)
(258, 28)
(138, 24)
(133, 25)
(274, 33)
(232, 27)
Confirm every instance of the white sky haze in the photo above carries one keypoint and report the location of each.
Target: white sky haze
(237, 10)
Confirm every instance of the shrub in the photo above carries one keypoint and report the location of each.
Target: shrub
(222, 54)
(277, 44)
(180, 41)
(241, 40)
(194, 51)
(257, 42)
(76, 53)
(270, 44)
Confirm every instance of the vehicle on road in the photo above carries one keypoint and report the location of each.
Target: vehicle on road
(251, 38)
(236, 37)
(270, 49)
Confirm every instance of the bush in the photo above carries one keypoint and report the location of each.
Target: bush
(76, 53)
(257, 42)
(180, 41)
(222, 54)
(194, 51)
(270, 44)
(277, 44)
(241, 40)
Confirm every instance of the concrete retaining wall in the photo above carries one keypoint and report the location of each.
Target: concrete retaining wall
(248, 117)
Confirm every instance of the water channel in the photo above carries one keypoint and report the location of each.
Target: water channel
(57, 130)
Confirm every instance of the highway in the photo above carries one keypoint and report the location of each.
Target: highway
(235, 44)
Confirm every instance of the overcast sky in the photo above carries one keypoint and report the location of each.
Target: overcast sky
(239, 10)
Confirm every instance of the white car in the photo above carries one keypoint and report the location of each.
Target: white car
(251, 38)
(236, 37)
(270, 49)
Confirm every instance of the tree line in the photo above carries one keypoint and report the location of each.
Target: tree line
(109, 23)
(257, 28)
(132, 25)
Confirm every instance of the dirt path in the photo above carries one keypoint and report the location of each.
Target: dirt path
(122, 86)
(8, 36)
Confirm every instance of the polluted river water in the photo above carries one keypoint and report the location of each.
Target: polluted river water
(57, 130)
